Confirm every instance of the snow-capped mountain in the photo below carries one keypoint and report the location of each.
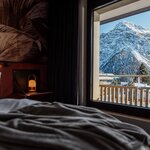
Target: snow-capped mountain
(123, 49)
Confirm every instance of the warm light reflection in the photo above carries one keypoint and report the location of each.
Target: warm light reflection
(1, 66)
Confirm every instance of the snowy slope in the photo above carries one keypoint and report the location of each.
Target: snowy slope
(142, 59)
(124, 49)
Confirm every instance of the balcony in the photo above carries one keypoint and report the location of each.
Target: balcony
(137, 94)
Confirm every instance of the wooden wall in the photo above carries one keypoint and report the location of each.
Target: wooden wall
(6, 81)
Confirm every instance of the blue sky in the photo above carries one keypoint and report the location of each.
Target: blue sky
(139, 19)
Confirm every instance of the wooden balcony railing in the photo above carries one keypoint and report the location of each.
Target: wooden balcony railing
(128, 95)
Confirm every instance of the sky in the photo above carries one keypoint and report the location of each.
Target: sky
(139, 19)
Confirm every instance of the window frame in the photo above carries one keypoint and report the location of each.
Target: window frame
(125, 109)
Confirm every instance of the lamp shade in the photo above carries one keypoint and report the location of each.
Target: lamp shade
(31, 83)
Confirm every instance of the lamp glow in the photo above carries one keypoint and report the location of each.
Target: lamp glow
(32, 83)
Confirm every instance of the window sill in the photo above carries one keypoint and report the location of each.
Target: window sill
(123, 109)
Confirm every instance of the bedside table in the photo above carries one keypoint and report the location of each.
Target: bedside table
(41, 96)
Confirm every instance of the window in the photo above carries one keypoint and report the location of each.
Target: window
(121, 54)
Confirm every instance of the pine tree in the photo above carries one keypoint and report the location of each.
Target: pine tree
(143, 71)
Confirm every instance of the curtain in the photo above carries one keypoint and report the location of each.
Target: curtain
(62, 57)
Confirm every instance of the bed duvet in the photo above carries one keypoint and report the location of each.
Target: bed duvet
(58, 126)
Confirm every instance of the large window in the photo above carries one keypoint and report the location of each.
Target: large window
(121, 55)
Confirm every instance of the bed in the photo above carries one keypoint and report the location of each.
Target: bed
(33, 125)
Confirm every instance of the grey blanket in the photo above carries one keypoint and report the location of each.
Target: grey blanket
(57, 126)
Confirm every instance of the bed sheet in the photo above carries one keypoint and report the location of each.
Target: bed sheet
(58, 126)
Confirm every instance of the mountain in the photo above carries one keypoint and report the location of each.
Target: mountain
(123, 49)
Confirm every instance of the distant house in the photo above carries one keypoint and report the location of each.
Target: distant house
(141, 85)
(124, 83)
(106, 79)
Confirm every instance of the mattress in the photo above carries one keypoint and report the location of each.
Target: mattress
(58, 126)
